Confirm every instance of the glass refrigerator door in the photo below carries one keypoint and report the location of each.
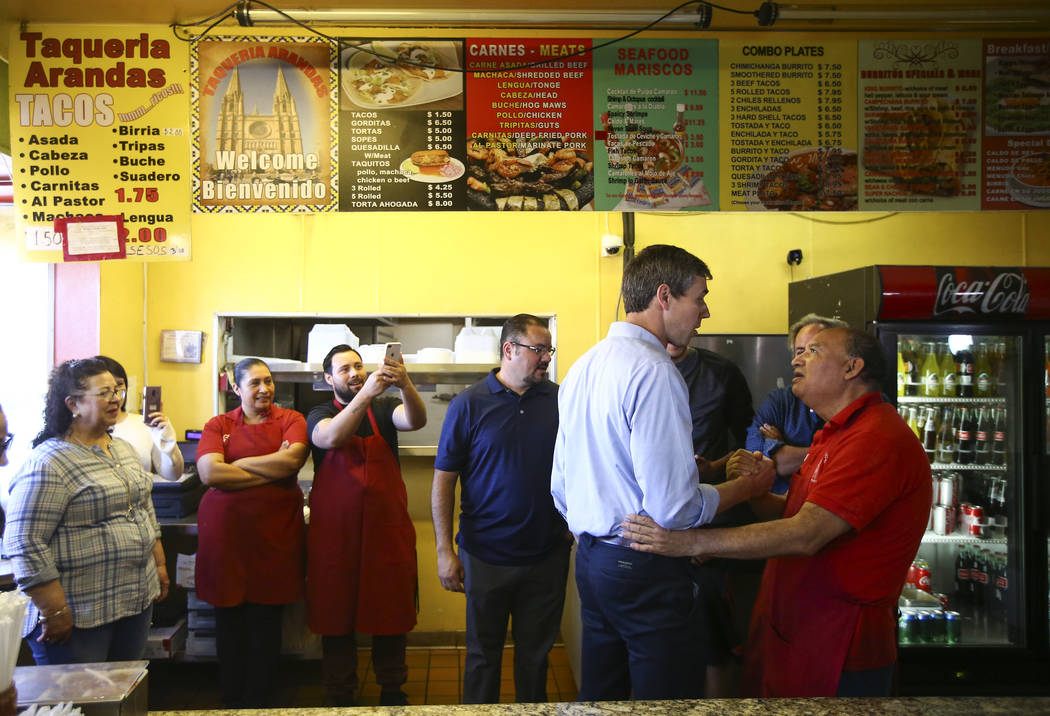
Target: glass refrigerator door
(960, 394)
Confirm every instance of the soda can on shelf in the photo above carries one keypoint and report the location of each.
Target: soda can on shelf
(943, 599)
(953, 627)
(941, 515)
(922, 576)
(907, 629)
(925, 627)
(945, 490)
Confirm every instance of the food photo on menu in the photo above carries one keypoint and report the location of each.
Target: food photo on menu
(921, 147)
(653, 165)
(401, 74)
(528, 174)
(806, 179)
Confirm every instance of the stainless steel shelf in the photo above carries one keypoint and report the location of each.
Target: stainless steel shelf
(932, 538)
(968, 466)
(446, 373)
(906, 399)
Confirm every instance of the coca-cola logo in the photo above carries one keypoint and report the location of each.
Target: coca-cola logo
(1005, 293)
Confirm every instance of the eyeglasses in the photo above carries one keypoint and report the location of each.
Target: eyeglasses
(7, 443)
(107, 394)
(538, 350)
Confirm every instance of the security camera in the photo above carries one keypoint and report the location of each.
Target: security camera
(611, 244)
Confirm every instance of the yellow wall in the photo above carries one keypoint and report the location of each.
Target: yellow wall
(486, 263)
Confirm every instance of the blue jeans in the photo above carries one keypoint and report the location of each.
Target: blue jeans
(121, 640)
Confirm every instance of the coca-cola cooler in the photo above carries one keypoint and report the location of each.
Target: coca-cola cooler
(973, 381)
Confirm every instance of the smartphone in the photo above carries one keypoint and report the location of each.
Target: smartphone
(393, 352)
(150, 400)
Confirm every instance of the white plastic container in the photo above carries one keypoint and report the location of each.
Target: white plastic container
(325, 336)
(478, 344)
(435, 355)
(372, 352)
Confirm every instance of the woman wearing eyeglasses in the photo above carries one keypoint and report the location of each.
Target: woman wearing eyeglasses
(81, 532)
(250, 532)
(151, 435)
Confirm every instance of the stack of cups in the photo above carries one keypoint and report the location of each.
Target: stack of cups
(12, 615)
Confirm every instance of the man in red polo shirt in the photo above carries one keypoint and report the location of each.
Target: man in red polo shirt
(842, 538)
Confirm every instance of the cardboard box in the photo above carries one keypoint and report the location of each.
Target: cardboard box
(166, 642)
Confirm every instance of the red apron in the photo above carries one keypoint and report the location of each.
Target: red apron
(251, 541)
(361, 544)
(802, 624)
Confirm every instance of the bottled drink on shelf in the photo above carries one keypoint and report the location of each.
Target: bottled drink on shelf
(915, 368)
(983, 437)
(931, 378)
(929, 435)
(997, 497)
(964, 437)
(982, 372)
(965, 387)
(979, 578)
(963, 562)
(946, 438)
(902, 373)
(999, 438)
(999, 367)
(949, 380)
(913, 421)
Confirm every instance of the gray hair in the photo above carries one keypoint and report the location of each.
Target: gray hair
(812, 319)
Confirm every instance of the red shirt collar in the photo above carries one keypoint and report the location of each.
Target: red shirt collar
(845, 415)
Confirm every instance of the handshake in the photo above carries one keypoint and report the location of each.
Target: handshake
(754, 468)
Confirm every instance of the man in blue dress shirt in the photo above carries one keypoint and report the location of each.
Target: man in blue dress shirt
(784, 426)
(625, 446)
(498, 441)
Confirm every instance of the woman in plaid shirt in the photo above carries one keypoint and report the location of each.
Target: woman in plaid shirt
(81, 532)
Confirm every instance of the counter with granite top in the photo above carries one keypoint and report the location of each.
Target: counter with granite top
(910, 706)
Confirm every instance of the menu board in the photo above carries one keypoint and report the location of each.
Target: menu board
(401, 125)
(919, 109)
(788, 125)
(657, 104)
(1016, 139)
(785, 122)
(529, 142)
(263, 127)
(99, 126)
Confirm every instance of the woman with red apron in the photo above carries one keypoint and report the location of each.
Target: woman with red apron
(250, 532)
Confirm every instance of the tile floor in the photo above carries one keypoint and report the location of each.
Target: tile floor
(435, 676)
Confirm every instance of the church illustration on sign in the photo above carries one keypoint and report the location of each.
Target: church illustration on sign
(252, 147)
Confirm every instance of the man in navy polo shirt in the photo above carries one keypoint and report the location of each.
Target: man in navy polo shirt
(498, 440)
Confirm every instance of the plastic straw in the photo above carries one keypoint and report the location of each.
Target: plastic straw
(12, 616)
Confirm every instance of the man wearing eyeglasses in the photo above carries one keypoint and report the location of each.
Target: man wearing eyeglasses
(784, 426)
(513, 559)
(625, 445)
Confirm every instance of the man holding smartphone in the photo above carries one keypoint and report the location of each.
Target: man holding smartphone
(361, 546)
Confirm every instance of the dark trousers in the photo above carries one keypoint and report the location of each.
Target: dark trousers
(866, 684)
(248, 644)
(533, 595)
(635, 611)
(339, 664)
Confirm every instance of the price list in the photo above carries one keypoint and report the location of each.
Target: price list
(788, 133)
(657, 108)
(1016, 141)
(918, 123)
(405, 154)
(116, 146)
